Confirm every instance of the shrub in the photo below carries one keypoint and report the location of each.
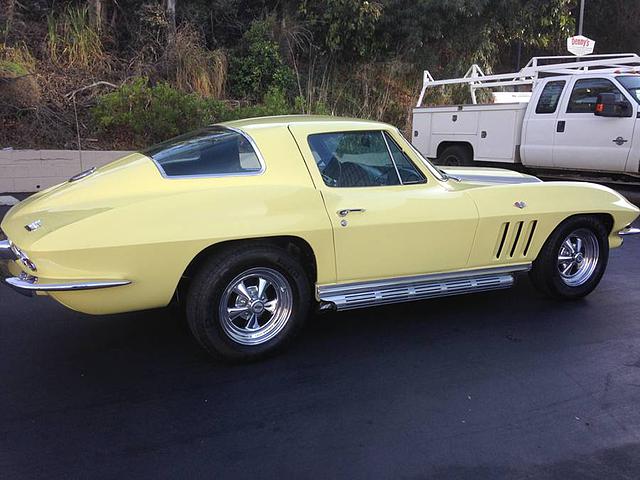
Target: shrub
(259, 66)
(19, 86)
(148, 114)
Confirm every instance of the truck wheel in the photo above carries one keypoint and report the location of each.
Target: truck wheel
(455, 156)
(248, 302)
(573, 259)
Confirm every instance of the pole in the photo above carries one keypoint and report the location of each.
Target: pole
(581, 17)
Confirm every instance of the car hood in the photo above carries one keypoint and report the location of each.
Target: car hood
(482, 176)
(110, 186)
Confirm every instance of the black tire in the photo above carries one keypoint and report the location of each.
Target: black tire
(213, 280)
(455, 156)
(545, 273)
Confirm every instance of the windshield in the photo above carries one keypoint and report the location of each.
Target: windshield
(631, 83)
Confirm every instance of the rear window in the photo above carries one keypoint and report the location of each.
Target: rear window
(211, 151)
(550, 97)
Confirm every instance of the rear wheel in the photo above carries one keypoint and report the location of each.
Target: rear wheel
(455, 156)
(248, 302)
(573, 259)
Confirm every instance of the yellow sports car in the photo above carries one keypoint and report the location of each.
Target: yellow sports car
(252, 223)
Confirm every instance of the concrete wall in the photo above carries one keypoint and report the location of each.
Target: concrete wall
(33, 170)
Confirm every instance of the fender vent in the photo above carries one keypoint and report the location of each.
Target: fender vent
(514, 239)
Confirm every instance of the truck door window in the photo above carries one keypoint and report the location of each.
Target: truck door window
(585, 93)
(550, 97)
(632, 84)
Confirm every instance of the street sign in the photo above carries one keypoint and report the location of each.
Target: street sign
(580, 45)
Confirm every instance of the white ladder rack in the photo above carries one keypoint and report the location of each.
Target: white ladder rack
(529, 74)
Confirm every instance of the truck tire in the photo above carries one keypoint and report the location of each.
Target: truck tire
(455, 156)
(248, 302)
(573, 259)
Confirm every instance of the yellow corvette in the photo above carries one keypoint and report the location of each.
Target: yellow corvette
(252, 223)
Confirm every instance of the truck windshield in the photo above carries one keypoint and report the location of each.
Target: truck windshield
(631, 83)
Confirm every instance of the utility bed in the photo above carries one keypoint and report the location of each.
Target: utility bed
(493, 131)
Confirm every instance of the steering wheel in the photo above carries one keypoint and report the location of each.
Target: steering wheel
(332, 172)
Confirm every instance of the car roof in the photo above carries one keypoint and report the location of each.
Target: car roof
(286, 120)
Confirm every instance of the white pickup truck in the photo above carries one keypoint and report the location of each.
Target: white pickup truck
(577, 115)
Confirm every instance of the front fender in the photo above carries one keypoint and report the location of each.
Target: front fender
(523, 231)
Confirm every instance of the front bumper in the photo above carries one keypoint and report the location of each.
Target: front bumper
(629, 231)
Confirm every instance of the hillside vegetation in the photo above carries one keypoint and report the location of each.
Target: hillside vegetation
(123, 74)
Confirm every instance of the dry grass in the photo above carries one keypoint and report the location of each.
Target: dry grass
(198, 69)
(72, 40)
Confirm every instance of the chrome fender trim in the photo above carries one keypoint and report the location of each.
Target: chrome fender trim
(629, 231)
(366, 294)
(29, 284)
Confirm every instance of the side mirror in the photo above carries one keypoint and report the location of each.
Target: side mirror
(612, 105)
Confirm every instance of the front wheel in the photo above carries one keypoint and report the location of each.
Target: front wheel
(248, 302)
(573, 259)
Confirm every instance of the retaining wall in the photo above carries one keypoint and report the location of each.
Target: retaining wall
(33, 170)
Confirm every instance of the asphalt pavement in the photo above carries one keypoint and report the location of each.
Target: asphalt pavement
(505, 384)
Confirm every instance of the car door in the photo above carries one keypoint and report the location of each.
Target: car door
(390, 218)
(539, 127)
(584, 141)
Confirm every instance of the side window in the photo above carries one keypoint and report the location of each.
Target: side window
(209, 151)
(353, 159)
(585, 93)
(406, 169)
(550, 97)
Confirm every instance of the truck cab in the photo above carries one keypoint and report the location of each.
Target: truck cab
(562, 129)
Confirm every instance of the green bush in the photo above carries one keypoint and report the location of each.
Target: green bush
(258, 67)
(151, 113)
(140, 114)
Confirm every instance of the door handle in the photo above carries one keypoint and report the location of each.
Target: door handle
(560, 126)
(619, 141)
(346, 211)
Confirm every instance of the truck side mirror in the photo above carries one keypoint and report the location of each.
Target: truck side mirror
(612, 105)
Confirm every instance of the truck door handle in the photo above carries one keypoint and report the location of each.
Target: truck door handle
(619, 141)
(560, 126)
(346, 211)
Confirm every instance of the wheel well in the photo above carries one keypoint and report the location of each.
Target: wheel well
(297, 246)
(444, 145)
(605, 218)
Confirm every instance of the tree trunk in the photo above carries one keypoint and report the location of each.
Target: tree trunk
(171, 17)
(97, 13)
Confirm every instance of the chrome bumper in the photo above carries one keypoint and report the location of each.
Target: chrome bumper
(6, 252)
(629, 231)
(28, 285)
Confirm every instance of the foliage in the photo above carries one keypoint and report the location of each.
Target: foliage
(72, 39)
(348, 27)
(198, 69)
(148, 113)
(233, 58)
(19, 86)
(259, 65)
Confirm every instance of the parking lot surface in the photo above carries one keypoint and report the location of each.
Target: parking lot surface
(505, 384)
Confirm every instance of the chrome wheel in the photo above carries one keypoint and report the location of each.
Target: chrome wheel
(578, 257)
(255, 306)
